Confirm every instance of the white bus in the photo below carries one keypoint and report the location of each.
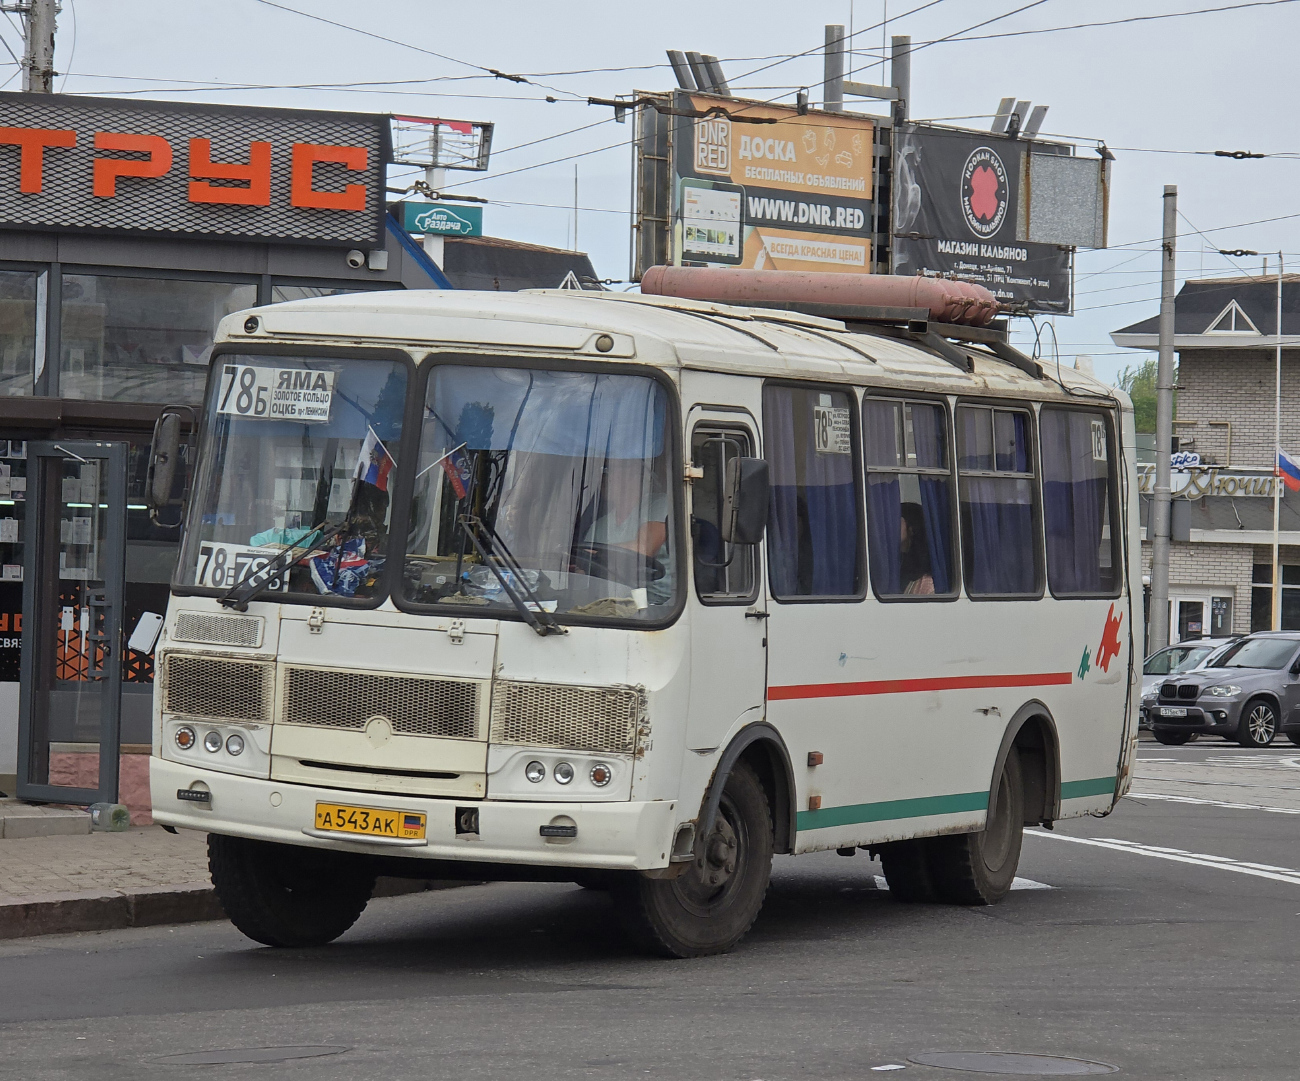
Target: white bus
(636, 592)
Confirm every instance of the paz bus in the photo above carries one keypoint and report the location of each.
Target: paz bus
(637, 591)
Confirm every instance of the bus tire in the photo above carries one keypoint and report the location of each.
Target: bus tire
(282, 895)
(907, 870)
(978, 868)
(708, 908)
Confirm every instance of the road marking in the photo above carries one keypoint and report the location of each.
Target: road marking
(1215, 803)
(1177, 855)
(1016, 884)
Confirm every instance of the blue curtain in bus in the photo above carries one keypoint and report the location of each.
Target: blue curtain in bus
(928, 434)
(813, 517)
(999, 513)
(1074, 501)
(884, 500)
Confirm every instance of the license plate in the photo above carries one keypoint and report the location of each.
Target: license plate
(370, 821)
(223, 566)
(1174, 711)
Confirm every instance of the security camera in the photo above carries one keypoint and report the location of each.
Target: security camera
(356, 259)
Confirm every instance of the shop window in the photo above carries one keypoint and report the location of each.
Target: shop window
(909, 498)
(995, 463)
(1082, 555)
(142, 339)
(13, 506)
(814, 536)
(1261, 598)
(18, 291)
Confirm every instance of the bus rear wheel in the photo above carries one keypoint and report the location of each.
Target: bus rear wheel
(708, 908)
(282, 895)
(978, 868)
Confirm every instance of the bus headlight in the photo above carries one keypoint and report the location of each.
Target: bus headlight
(212, 742)
(563, 773)
(535, 772)
(234, 744)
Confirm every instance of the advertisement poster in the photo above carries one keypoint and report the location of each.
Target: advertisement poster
(791, 195)
(956, 204)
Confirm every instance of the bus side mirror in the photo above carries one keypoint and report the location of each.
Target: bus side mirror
(164, 458)
(744, 510)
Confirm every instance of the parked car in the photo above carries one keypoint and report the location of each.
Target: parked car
(1243, 693)
(1183, 657)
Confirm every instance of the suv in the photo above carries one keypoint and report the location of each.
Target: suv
(1183, 657)
(1241, 694)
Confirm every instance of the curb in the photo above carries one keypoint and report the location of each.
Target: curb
(63, 913)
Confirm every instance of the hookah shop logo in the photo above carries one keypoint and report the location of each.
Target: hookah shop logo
(984, 192)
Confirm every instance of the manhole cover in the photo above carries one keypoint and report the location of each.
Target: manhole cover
(1010, 1062)
(249, 1054)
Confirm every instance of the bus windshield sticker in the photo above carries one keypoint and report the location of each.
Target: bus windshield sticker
(276, 393)
(224, 566)
(1098, 440)
(831, 431)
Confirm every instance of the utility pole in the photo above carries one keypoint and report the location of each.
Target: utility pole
(1276, 624)
(38, 59)
(435, 178)
(1160, 504)
(833, 69)
(900, 74)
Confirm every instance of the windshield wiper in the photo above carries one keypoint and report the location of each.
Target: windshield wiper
(478, 532)
(238, 595)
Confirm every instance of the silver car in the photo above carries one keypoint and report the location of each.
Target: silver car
(1243, 693)
(1172, 660)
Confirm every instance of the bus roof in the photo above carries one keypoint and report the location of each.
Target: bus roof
(663, 332)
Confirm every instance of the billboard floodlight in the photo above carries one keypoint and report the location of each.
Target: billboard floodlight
(681, 69)
(1035, 121)
(1003, 115)
(432, 143)
(717, 80)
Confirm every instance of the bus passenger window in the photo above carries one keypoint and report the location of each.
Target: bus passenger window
(1077, 493)
(996, 468)
(909, 498)
(814, 530)
(722, 571)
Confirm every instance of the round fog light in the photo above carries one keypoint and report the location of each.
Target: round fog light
(601, 775)
(212, 742)
(235, 744)
(535, 772)
(185, 737)
(563, 773)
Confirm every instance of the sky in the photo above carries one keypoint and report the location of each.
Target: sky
(1162, 93)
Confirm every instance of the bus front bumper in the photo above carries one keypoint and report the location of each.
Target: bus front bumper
(615, 836)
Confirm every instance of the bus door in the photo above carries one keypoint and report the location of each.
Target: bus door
(728, 603)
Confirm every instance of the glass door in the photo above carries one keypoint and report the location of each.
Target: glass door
(74, 556)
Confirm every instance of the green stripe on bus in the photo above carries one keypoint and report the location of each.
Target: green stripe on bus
(889, 810)
(1097, 786)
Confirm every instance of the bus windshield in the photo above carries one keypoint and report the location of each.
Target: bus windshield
(297, 450)
(563, 475)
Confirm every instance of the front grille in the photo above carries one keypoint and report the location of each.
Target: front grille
(215, 687)
(1169, 690)
(1188, 691)
(602, 719)
(217, 630)
(412, 705)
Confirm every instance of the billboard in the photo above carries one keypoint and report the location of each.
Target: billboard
(175, 169)
(792, 193)
(956, 215)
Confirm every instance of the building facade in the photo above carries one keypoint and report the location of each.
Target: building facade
(1226, 335)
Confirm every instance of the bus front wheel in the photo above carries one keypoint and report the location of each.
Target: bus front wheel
(281, 895)
(978, 868)
(709, 907)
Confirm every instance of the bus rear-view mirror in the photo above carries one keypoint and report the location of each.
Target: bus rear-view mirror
(744, 510)
(163, 454)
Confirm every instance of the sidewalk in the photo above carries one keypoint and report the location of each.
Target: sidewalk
(103, 881)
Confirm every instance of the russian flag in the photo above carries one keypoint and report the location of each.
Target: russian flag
(1289, 470)
(374, 463)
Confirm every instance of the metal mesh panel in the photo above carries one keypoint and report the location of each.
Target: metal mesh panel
(414, 706)
(579, 718)
(161, 204)
(218, 630)
(215, 687)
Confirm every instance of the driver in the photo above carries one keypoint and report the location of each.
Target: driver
(636, 519)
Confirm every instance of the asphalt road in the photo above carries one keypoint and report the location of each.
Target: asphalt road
(1170, 951)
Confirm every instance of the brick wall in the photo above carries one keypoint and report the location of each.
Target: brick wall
(1237, 385)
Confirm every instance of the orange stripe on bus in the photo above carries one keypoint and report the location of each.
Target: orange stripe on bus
(909, 686)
